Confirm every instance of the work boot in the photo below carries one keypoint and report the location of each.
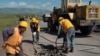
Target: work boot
(65, 50)
(71, 50)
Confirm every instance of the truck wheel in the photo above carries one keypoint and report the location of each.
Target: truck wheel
(86, 30)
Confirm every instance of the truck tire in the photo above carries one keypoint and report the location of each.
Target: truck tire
(86, 30)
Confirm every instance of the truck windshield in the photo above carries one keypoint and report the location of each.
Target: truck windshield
(74, 1)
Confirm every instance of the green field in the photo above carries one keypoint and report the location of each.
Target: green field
(7, 20)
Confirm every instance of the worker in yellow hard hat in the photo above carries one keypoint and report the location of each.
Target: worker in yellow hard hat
(35, 27)
(12, 39)
(68, 30)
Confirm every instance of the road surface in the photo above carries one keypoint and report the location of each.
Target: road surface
(84, 45)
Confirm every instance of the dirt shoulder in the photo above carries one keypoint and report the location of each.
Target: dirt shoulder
(2, 53)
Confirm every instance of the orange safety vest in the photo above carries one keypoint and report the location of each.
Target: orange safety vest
(14, 41)
(66, 24)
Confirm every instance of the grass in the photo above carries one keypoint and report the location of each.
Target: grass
(7, 20)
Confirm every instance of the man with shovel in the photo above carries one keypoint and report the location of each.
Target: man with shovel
(12, 39)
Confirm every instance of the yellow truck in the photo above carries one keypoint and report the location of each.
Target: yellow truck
(84, 17)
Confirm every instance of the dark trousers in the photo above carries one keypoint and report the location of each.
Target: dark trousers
(17, 54)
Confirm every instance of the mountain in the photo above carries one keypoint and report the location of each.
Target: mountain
(23, 10)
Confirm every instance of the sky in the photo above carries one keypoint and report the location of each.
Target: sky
(41, 4)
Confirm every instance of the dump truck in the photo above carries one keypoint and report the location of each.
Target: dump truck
(83, 17)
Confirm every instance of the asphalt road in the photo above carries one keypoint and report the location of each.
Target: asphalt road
(84, 45)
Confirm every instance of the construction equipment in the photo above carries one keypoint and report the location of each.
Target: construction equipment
(83, 17)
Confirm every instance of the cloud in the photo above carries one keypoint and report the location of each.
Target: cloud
(22, 4)
(40, 5)
(46, 4)
(12, 4)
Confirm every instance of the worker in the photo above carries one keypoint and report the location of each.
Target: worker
(67, 28)
(13, 39)
(35, 27)
(21, 18)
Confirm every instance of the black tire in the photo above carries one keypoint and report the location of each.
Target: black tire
(86, 30)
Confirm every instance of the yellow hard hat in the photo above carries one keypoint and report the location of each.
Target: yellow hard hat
(60, 18)
(23, 24)
(33, 20)
(37, 21)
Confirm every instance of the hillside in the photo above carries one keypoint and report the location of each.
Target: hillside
(23, 10)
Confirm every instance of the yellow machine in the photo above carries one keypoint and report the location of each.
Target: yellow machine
(84, 17)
